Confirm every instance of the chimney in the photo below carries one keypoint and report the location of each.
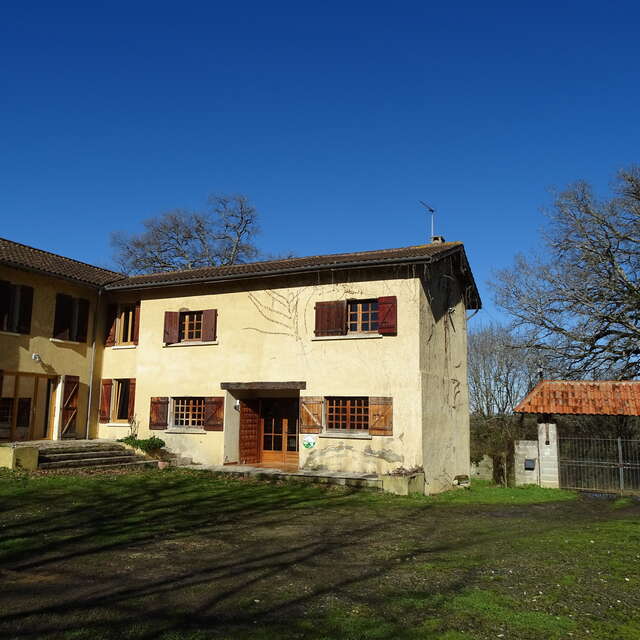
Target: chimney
(437, 239)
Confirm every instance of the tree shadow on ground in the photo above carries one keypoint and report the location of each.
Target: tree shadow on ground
(168, 554)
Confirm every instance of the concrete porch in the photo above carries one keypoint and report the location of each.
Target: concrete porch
(365, 481)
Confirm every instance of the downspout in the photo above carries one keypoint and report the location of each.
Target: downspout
(92, 363)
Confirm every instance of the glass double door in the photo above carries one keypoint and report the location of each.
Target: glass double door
(279, 431)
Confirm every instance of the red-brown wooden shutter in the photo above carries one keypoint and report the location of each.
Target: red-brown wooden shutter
(5, 305)
(214, 414)
(249, 436)
(83, 320)
(331, 318)
(311, 414)
(136, 323)
(24, 312)
(171, 327)
(70, 394)
(110, 328)
(105, 400)
(209, 325)
(132, 399)
(159, 413)
(381, 416)
(388, 316)
(63, 315)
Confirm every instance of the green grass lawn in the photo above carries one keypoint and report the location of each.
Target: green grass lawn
(176, 554)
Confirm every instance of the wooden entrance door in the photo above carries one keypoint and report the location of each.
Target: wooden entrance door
(279, 431)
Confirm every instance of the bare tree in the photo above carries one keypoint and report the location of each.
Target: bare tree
(501, 372)
(580, 304)
(181, 239)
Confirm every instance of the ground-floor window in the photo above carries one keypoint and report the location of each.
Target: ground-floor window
(347, 414)
(188, 412)
(121, 393)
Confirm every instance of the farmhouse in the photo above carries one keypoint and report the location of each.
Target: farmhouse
(347, 362)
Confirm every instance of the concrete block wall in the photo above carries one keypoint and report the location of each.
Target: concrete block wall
(548, 453)
(526, 450)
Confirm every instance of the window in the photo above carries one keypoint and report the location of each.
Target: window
(190, 326)
(71, 318)
(188, 412)
(342, 317)
(6, 409)
(126, 321)
(345, 414)
(16, 302)
(120, 406)
(117, 400)
(24, 412)
(123, 322)
(363, 316)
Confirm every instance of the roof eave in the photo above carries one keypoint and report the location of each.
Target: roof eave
(390, 262)
(51, 274)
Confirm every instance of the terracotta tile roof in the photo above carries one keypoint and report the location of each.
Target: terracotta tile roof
(22, 256)
(25, 257)
(415, 254)
(592, 397)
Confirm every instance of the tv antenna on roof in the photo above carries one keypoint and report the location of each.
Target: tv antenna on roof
(432, 211)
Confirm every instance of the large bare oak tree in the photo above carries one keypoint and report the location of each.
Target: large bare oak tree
(580, 302)
(179, 239)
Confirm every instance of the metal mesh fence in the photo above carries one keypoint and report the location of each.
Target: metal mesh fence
(610, 465)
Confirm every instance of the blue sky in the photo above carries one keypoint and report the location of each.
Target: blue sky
(334, 118)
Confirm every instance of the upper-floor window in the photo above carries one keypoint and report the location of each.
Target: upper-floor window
(16, 302)
(342, 317)
(123, 324)
(71, 319)
(363, 316)
(189, 326)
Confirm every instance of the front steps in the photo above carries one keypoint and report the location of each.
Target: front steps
(91, 455)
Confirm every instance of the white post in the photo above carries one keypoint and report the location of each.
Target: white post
(57, 410)
(548, 455)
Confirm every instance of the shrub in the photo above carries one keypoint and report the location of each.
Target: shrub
(150, 444)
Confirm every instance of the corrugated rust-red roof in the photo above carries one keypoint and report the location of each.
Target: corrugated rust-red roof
(585, 397)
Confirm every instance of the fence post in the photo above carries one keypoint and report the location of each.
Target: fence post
(620, 465)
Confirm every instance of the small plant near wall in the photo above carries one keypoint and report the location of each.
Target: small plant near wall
(148, 445)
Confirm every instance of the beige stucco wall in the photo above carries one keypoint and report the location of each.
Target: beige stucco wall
(443, 369)
(267, 335)
(58, 358)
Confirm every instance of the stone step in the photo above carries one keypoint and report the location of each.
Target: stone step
(87, 462)
(59, 455)
(151, 464)
(136, 464)
(81, 449)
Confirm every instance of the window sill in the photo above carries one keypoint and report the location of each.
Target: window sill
(179, 430)
(125, 346)
(124, 423)
(350, 336)
(12, 333)
(60, 340)
(189, 344)
(348, 436)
